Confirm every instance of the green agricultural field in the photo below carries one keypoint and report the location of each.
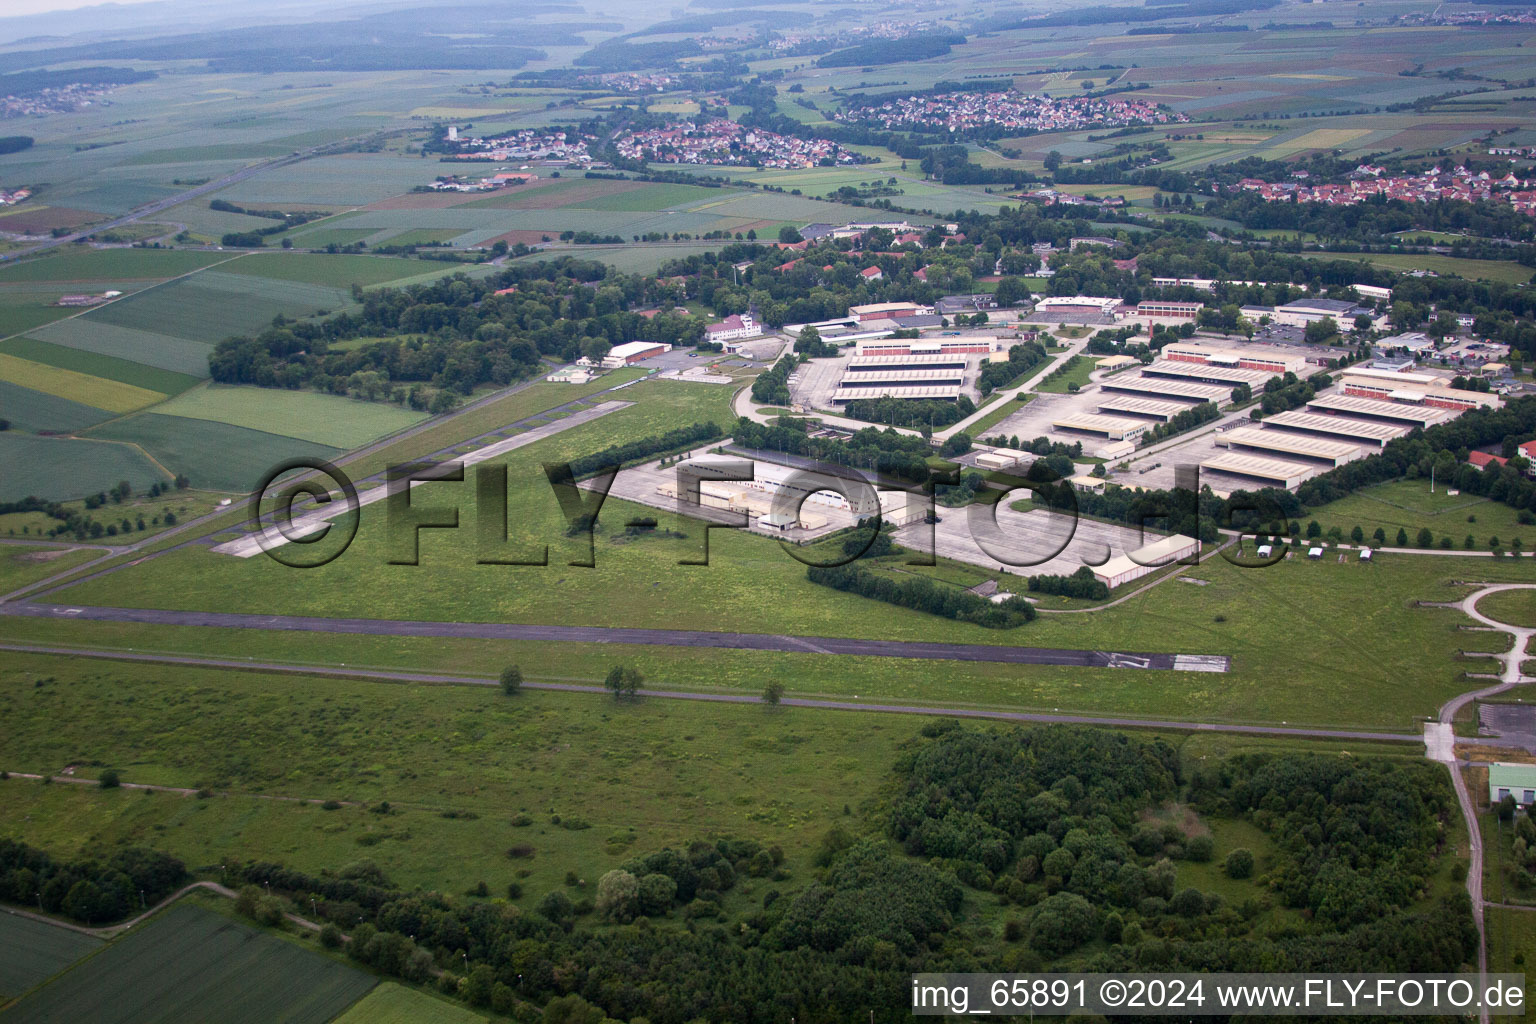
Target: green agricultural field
(655, 197)
(179, 355)
(1503, 271)
(213, 305)
(125, 371)
(391, 1003)
(1516, 607)
(32, 952)
(21, 565)
(341, 271)
(98, 392)
(307, 415)
(58, 468)
(206, 967)
(323, 236)
(36, 411)
(89, 265)
(216, 456)
(1409, 505)
(24, 310)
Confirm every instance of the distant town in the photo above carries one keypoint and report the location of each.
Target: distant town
(1369, 180)
(969, 111)
(726, 143)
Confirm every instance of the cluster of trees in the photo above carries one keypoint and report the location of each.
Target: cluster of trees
(82, 525)
(1189, 419)
(644, 447)
(770, 387)
(906, 412)
(1054, 823)
(1081, 584)
(455, 334)
(887, 452)
(922, 594)
(1000, 372)
(1288, 392)
(92, 889)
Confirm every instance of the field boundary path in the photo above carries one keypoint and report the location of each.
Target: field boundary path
(1440, 746)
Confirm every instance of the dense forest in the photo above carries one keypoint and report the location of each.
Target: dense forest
(1058, 826)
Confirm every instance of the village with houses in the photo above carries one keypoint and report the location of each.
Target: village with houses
(725, 143)
(962, 112)
(1369, 180)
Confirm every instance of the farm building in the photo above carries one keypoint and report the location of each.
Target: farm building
(632, 352)
(1145, 560)
(1516, 780)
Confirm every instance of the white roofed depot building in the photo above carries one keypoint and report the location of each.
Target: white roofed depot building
(1145, 560)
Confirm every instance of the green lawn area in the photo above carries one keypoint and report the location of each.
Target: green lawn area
(206, 967)
(1001, 410)
(1516, 607)
(32, 952)
(1077, 369)
(1409, 505)
(308, 415)
(1512, 934)
(392, 1003)
(1504, 271)
(20, 565)
(642, 775)
(215, 456)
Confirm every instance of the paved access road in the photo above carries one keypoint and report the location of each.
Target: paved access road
(625, 635)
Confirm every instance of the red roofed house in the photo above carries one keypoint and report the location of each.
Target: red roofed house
(921, 273)
(1482, 460)
(871, 274)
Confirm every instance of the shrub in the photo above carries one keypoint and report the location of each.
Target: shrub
(330, 936)
(110, 779)
(1239, 863)
(511, 680)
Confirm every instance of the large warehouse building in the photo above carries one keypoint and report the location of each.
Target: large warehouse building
(961, 346)
(1286, 444)
(1388, 412)
(1116, 428)
(1152, 408)
(1145, 560)
(1208, 373)
(1367, 432)
(1256, 470)
(1271, 361)
(1165, 388)
(632, 352)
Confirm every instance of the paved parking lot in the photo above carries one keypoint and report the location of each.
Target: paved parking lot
(1023, 543)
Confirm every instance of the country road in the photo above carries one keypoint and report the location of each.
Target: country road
(1440, 745)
